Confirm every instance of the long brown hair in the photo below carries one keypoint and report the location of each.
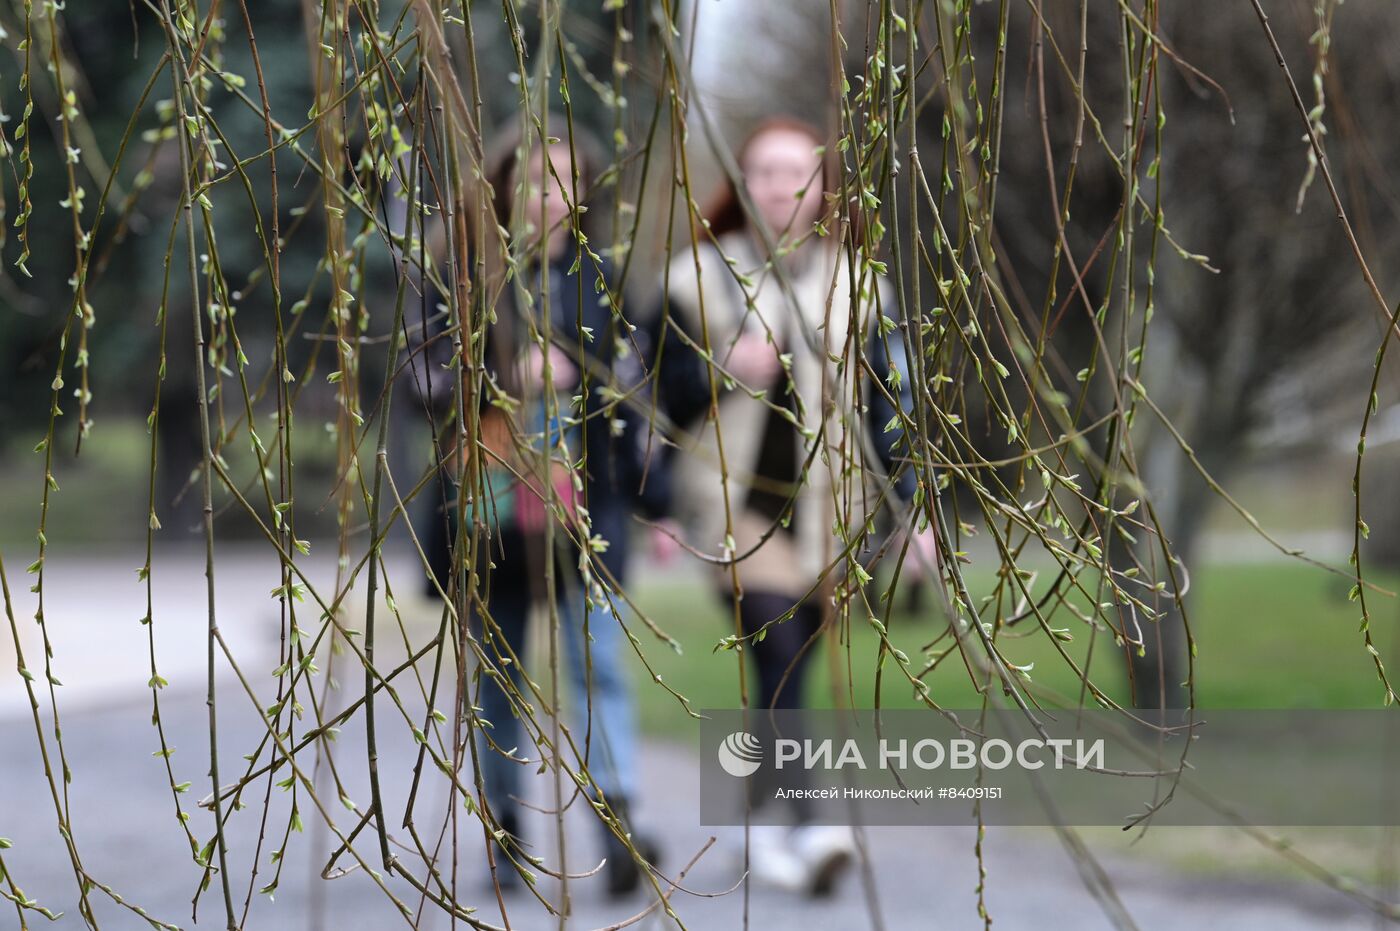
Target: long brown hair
(501, 163)
(725, 211)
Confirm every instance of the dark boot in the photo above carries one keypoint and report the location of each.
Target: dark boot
(624, 875)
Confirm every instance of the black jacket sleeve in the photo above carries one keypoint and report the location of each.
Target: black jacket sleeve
(679, 373)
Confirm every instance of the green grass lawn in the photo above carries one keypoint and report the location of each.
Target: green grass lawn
(1269, 635)
(103, 494)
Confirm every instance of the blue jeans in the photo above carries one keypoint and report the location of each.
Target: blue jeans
(603, 719)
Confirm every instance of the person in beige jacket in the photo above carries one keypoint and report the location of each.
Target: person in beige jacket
(783, 455)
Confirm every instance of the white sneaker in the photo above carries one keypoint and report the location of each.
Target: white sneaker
(772, 860)
(825, 852)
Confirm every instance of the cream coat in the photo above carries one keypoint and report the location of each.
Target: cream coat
(812, 323)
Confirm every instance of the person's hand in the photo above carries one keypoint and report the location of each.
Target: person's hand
(754, 361)
(665, 543)
(922, 559)
(563, 372)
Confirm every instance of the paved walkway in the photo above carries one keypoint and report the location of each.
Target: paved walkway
(127, 834)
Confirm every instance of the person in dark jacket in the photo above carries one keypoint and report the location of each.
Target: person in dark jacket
(594, 450)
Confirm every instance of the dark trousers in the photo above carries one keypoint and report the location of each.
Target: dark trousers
(781, 660)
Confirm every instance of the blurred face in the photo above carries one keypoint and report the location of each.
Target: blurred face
(542, 190)
(782, 171)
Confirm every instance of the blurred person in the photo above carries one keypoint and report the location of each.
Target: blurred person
(586, 353)
(752, 487)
